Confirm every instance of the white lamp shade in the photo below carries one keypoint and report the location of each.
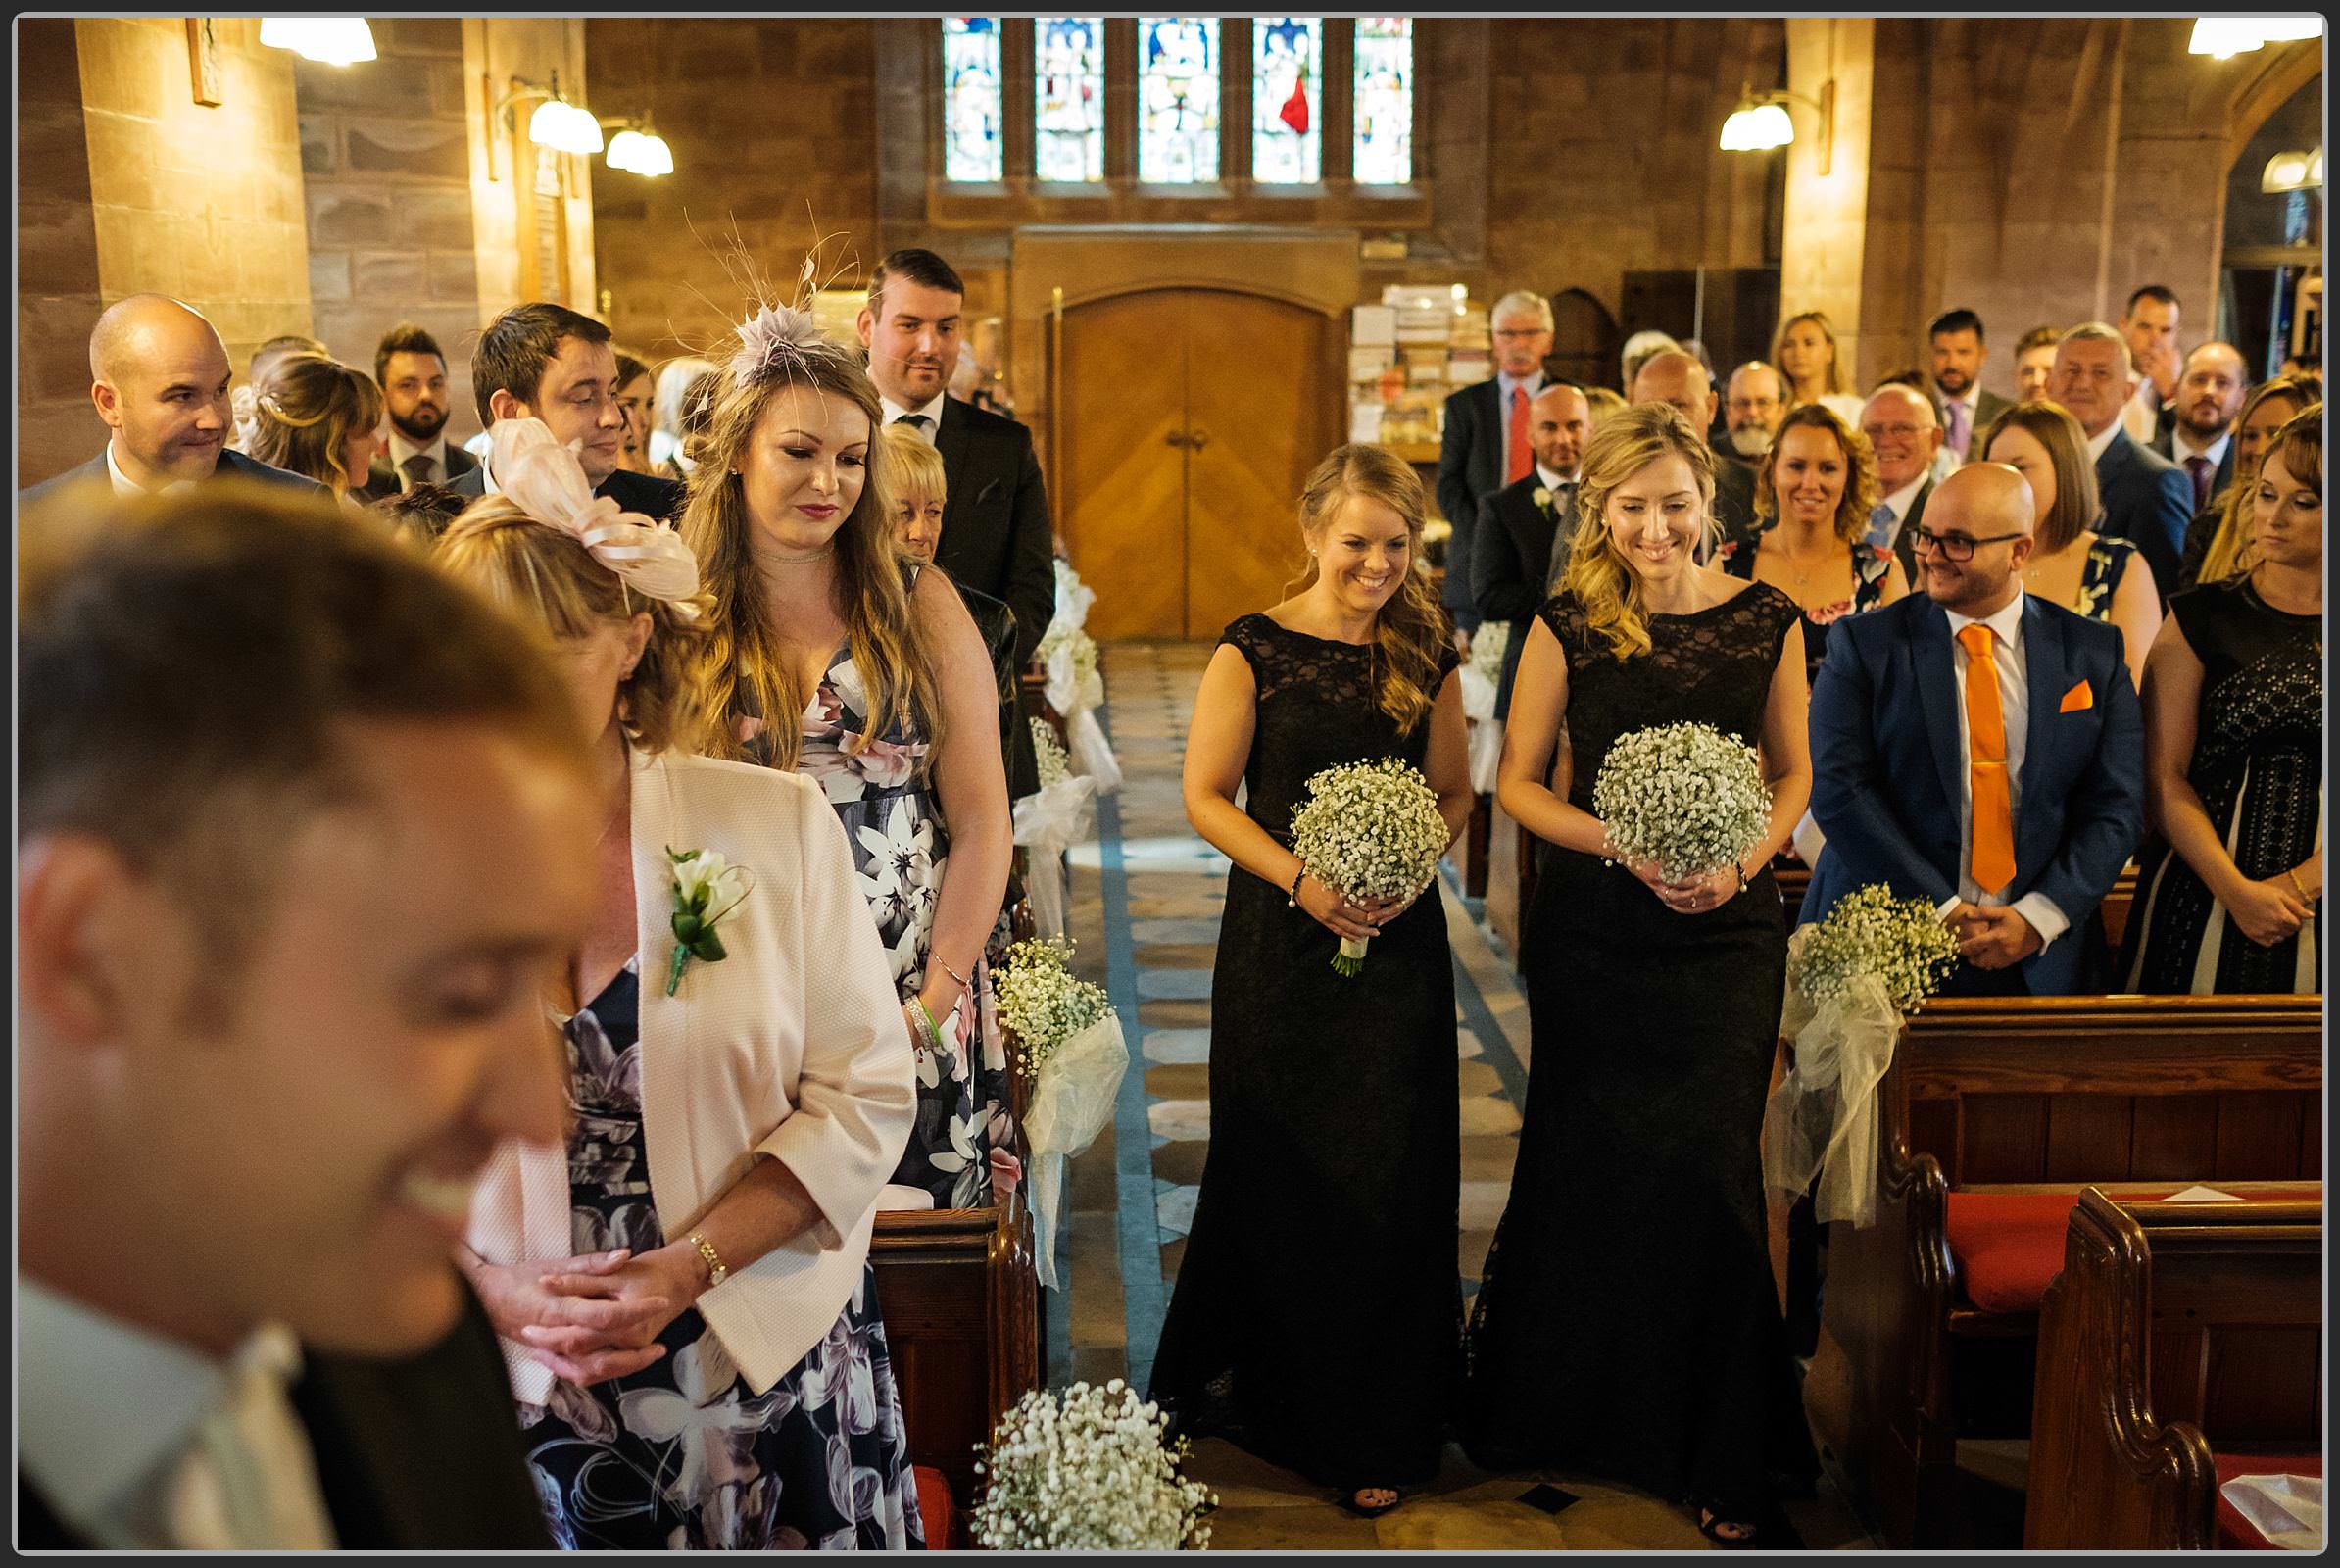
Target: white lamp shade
(656, 157)
(2315, 169)
(327, 40)
(2285, 171)
(624, 151)
(565, 128)
(2286, 29)
(1755, 129)
(2224, 37)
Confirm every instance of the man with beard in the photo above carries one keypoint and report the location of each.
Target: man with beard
(1958, 355)
(2201, 439)
(1754, 402)
(159, 378)
(413, 374)
(1525, 527)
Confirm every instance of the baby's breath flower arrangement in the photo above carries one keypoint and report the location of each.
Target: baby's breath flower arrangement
(1081, 649)
(1684, 796)
(1054, 763)
(1489, 643)
(1070, 1041)
(1851, 979)
(1088, 1472)
(1369, 830)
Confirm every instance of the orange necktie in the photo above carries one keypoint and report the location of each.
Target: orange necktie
(1521, 458)
(1993, 859)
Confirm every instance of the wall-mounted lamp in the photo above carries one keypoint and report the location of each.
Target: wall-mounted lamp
(639, 150)
(2224, 37)
(327, 40)
(557, 122)
(2289, 172)
(1760, 122)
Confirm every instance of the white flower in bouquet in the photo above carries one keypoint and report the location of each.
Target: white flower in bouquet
(1369, 830)
(1902, 941)
(1489, 643)
(1069, 656)
(1041, 1000)
(1089, 1472)
(1684, 796)
(1054, 763)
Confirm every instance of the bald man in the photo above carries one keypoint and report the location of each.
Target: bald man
(159, 378)
(1902, 431)
(1980, 748)
(2200, 436)
(1674, 377)
(1524, 528)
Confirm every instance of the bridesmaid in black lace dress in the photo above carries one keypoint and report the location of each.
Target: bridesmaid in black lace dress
(2230, 892)
(1628, 1324)
(1317, 1318)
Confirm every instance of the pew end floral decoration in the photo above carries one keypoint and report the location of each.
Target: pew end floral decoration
(1048, 823)
(1091, 1470)
(1070, 1041)
(1369, 830)
(707, 889)
(1851, 980)
(1685, 797)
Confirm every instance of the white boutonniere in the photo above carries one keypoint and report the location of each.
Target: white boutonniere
(707, 889)
(1542, 497)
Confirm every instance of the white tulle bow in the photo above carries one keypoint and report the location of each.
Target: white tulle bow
(548, 482)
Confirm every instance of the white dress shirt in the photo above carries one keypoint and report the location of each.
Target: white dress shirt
(1899, 503)
(2014, 706)
(2180, 449)
(139, 1441)
(2141, 414)
(124, 486)
(2100, 442)
(402, 449)
(931, 411)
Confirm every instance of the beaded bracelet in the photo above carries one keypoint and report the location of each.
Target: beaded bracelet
(1292, 899)
(923, 1020)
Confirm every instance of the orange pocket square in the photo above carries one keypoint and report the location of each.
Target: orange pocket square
(2077, 699)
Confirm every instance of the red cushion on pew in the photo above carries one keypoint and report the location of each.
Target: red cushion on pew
(937, 1510)
(2008, 1246)
(2236, 1533)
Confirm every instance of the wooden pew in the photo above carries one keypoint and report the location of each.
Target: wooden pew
(1794, 877)
(2173, 1330)
(1988, 1097)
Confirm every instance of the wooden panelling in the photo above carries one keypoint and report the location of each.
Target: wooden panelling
(2004, 1138)
(2258, 1134)
(2174, 1135)
(2263, 1380)
(2088, 1138)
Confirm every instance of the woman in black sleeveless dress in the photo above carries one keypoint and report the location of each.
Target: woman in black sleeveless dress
(1628, 1324)
(1317, 1317)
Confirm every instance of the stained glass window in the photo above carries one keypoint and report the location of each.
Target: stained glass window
(1068, 86)
(1385, 100)
(971, 99)
(1287, 100)
(1177, 98)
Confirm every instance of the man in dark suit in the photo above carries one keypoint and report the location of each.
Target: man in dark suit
(1672, 376)
(159, 377)
(273, 1027)
(1899, 423)
(1483, 444)
(547, 362)
(2200, 435)
(997, 535)
(1958, 355)
(412, 372)
(1983, 750)
(1525, 527)
(2147, 499)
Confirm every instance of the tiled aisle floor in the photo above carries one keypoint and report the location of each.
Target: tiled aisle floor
(1145, 910)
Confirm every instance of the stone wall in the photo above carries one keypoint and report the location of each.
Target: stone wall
(57, 260)
(389, 198)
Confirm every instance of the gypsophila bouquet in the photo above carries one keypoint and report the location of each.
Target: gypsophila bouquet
(1684, 796)
(1489, 643)
(1089, 1472)
(1080, 649)
(1902, 941)
(1369, 830)
(1042, 1000)
(1054, 765)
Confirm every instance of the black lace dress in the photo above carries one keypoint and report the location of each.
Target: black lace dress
(2258, 766)
(1628, 1324)
(1317, 1319)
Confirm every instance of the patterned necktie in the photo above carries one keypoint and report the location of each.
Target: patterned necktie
(916, 422)
(1992, 859)
(1881, 527)
(1520, 458)
(418, 470)
(2198, 467)
(1960, 431)
(1564, 512)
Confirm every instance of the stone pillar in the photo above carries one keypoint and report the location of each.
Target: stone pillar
(1823, 249)
(496, 50)
(57, 257)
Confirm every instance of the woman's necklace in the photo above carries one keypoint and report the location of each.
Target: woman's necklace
(786, 557)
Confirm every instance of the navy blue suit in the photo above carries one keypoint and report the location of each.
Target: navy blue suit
(1886, 784)
(231, 466)
(2148, 499)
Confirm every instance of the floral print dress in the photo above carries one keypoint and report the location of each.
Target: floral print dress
(680, 1455)
(899, 847)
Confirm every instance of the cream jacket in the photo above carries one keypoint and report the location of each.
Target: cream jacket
(790, 1047)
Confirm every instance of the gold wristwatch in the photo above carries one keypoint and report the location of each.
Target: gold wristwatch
(715, 1264)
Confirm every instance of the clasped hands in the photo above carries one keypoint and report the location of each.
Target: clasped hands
(1993, 938)
(595, 1316)
(2268, 912)
(1696, 896)
(1338, 915)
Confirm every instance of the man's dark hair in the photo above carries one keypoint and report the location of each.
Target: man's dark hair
(923, 268)
(2156, 292)
(516, 347)
(1960, 319)
(191, 665)
(420, 515)
(404, 338)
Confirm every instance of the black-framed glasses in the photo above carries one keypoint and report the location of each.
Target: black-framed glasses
(1955, 546)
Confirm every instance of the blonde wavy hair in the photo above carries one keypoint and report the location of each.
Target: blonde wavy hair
(746, 668)
(1860, 472)
(1410, 634)
(303, 410)
(549, 581)
(1827, 332)
(1598, 574)
(2230, 553)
